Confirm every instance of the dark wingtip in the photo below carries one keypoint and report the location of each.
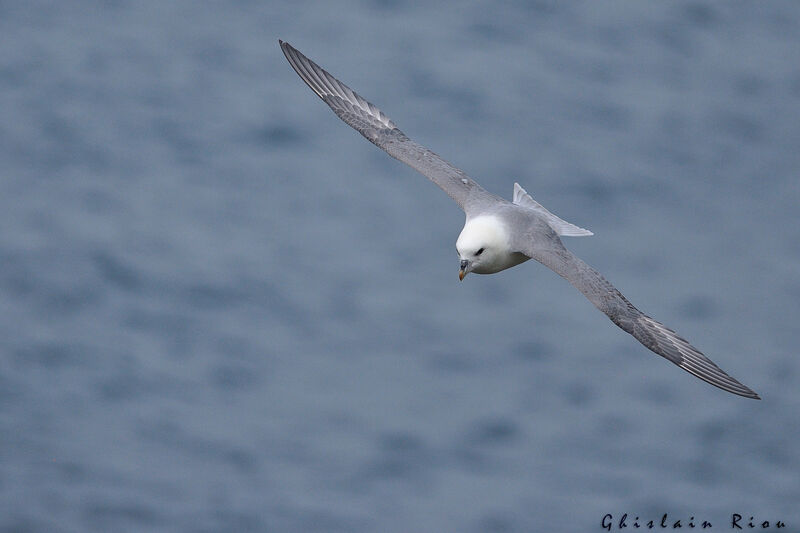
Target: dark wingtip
(747, 393)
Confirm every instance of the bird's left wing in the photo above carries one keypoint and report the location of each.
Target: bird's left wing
(651, 333)
(373, 124)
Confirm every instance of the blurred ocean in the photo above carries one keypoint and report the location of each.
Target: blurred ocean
(221, 309)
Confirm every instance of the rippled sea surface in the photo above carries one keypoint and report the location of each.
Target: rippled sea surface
(221, 309)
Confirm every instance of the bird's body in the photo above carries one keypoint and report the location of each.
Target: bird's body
(499, 234)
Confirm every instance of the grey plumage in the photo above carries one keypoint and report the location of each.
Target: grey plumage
(370, 122)
(534, 230)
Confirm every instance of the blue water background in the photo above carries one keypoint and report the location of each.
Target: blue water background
(223, 310)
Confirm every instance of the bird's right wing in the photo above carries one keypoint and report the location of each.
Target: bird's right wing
(370, 122)
(652, 334)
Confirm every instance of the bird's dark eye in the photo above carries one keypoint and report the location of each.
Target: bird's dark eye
(479, 252)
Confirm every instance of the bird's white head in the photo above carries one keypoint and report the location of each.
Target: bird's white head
(482, 246)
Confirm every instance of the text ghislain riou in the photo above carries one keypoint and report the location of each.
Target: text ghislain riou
(737, 521)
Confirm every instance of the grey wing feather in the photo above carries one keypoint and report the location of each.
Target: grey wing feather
(652, 334)
(373, 124)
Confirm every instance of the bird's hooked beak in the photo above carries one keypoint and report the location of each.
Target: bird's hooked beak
(463, 270)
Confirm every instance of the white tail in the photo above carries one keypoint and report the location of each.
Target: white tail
(561, 227)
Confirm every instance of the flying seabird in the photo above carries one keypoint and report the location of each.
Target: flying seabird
(499, 234)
